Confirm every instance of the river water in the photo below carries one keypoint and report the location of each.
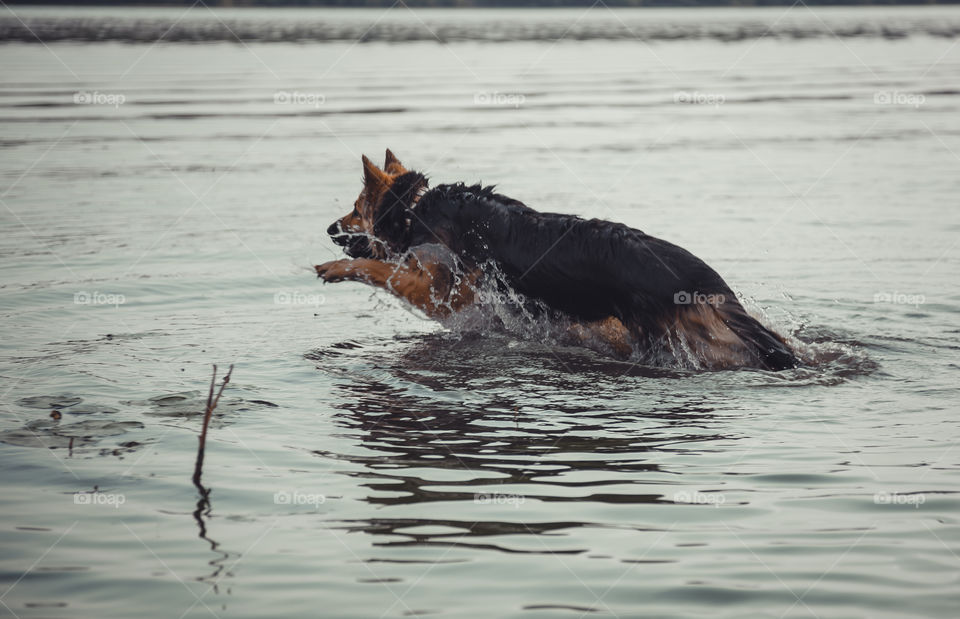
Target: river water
(162, 205)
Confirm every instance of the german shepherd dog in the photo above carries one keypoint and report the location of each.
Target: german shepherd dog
(632, 293)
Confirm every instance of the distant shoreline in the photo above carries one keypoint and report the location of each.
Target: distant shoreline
(149, 23)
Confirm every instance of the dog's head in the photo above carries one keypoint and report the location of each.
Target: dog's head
(379, 224)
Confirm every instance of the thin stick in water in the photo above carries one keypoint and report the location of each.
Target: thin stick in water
(208, 413)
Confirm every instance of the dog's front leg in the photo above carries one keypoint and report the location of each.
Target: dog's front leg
(366, 270)
(425, 284)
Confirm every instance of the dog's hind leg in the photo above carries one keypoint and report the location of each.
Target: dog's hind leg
(426, 279)
(606, 336)
(771, 349)
(726, 336)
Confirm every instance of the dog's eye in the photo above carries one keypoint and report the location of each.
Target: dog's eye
(355, 212)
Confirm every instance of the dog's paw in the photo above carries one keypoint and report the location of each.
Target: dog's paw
(334, 271)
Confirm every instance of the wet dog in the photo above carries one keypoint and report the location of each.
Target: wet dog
(636, 294)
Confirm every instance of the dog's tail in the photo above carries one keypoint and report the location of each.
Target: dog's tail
(771, 349)
(723, 335)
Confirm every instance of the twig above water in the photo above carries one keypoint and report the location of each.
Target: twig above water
(208, 413)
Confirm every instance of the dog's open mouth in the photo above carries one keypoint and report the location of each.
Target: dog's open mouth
(355, 245)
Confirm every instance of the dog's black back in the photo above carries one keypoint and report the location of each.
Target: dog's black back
(589, 269)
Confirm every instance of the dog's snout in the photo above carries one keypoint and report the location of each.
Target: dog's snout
(338, 235)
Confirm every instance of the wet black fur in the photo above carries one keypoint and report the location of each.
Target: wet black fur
(393, 219)
(588, 269)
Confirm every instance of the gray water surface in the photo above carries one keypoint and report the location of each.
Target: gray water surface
(162, 206)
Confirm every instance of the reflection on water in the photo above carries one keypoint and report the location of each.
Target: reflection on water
(219, 563)
(424, 447)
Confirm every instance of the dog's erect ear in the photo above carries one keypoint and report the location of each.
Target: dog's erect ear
(392, 165)
(372, 175)
(390, 158)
